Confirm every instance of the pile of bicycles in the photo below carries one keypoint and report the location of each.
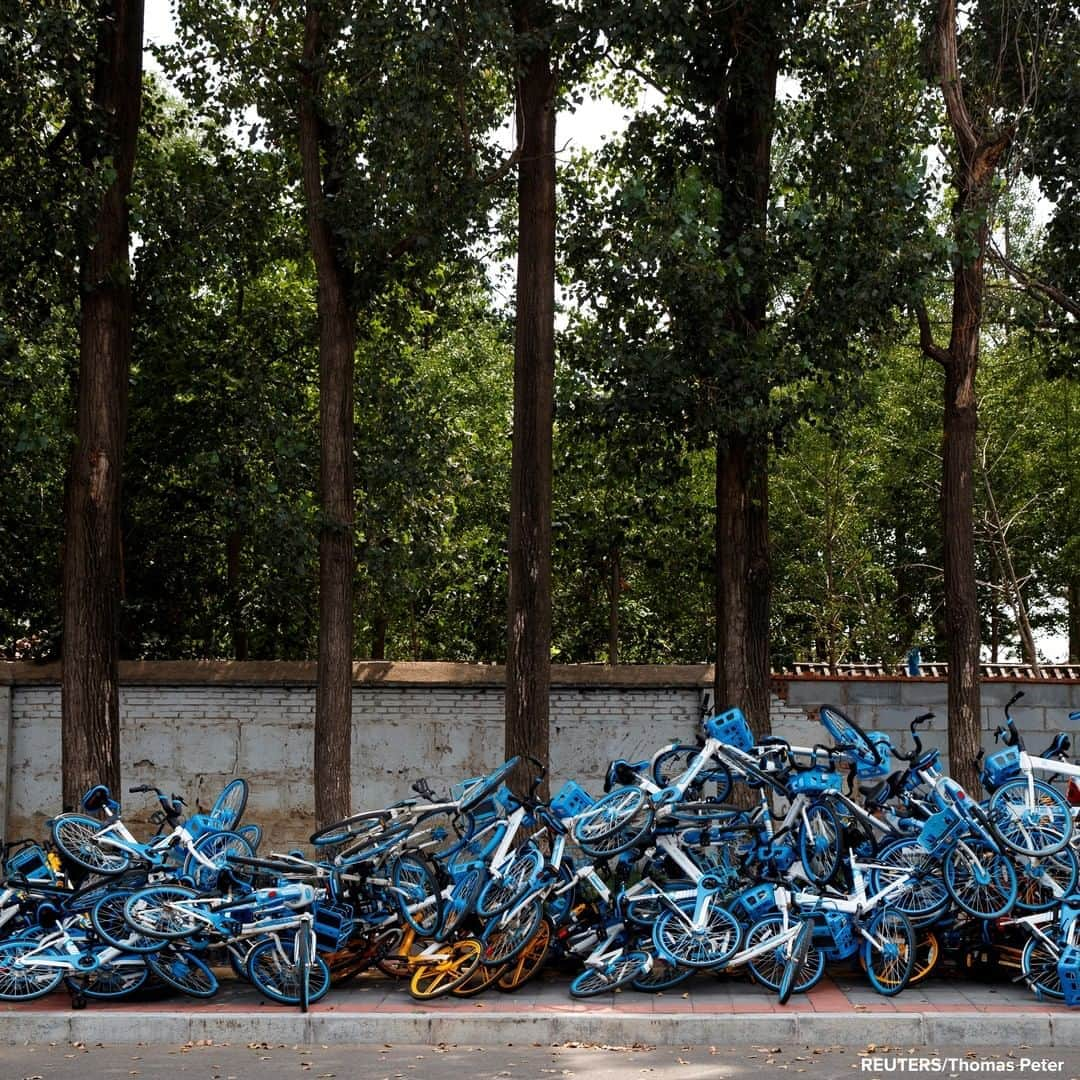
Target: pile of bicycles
(730, 856)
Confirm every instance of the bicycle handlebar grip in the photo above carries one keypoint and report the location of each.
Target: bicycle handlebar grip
(923, 718)
(1014, 699)
(140, 789)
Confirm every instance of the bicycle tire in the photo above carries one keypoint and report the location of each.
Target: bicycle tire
(144, 912)
(666, 769)
(502, 892)
(183, 971)
(24, 983)
(276, 972)
(1039, 826)
(985, 900)
(431, 980)
(107, 918)
(230, 805)
(889, 970)
(73, 835)
(1039, 964)
(111, 982)
(710, 947)
(219, 848)
(528, 963)
(617, 973)
(800, 950)
(504, 938)
(767, 969)
(820, 852)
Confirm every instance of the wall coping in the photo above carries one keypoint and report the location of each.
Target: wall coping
(439, 673)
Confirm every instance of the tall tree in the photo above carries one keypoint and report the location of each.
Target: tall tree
(391, 110)
(322, 171)
(93, 570)
(528, 636)
(984, 105)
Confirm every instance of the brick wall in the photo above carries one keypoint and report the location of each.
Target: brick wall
(190, 728)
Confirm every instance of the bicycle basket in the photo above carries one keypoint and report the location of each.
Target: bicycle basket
(1068, 966)
(731, 728)
(941, 831)
(835, 935)
(334, 925)
(815, 779)
(30, 866)
(753, 904)
(571, 800)
(865, 767)
(1001, 766)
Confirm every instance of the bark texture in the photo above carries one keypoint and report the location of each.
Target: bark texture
(337, 347)
(528, 654)
(743, 565)
(93, 559)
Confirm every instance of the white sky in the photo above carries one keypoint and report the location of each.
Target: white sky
(584, 129)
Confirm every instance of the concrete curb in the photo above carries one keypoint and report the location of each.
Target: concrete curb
(910, 1029)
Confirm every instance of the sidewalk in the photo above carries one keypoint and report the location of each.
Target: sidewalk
(840, 1010)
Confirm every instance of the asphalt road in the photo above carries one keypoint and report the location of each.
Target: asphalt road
(263, 1062)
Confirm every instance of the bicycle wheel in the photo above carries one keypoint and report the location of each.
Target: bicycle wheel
(76, 838)
(25, 982)
(924, 896)
(229, 806)
(927, 955)
(184, 971)
(506, 936)
(846, 732)
(616, 973)
(890, 958)
(768, 968)
(157, 912)
(615, 823)
(399, 964)
(440, 976)
(1039, 963)
(500, 893)
(1043, 882)
(981, 880)
(1031, 822)
(111, 982)
(487, 784)
(287, 972)
(609, 815)
(481, 979)
(713, 781)
(796, 959)
(819, 842)
(107, 916)
(708, 947)
(462, 900)
(217, 847)
(367, 823)
(529, 961)
(416, 892)
(663, 975)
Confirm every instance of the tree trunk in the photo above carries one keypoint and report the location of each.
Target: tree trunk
(743, 577)
(528, 660)
(976, 156)
(615, 586)
(234, 546)
(378, 637)
(92, 570)
(1074, 621)
(337, 347)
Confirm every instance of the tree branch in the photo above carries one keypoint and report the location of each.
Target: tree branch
(926, 337)
(1033, 285)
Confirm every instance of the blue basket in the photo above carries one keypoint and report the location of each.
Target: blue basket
(941, 831)
(1069, 973)
(731, 728)
(865, 769)
(753, 904)
(334, 925)
(1001, 766)
(835, 935)
(816, 779)
(30, 866)
(571, 800)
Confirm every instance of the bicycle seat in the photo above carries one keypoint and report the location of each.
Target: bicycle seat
(97, 798)
(1059, 747)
